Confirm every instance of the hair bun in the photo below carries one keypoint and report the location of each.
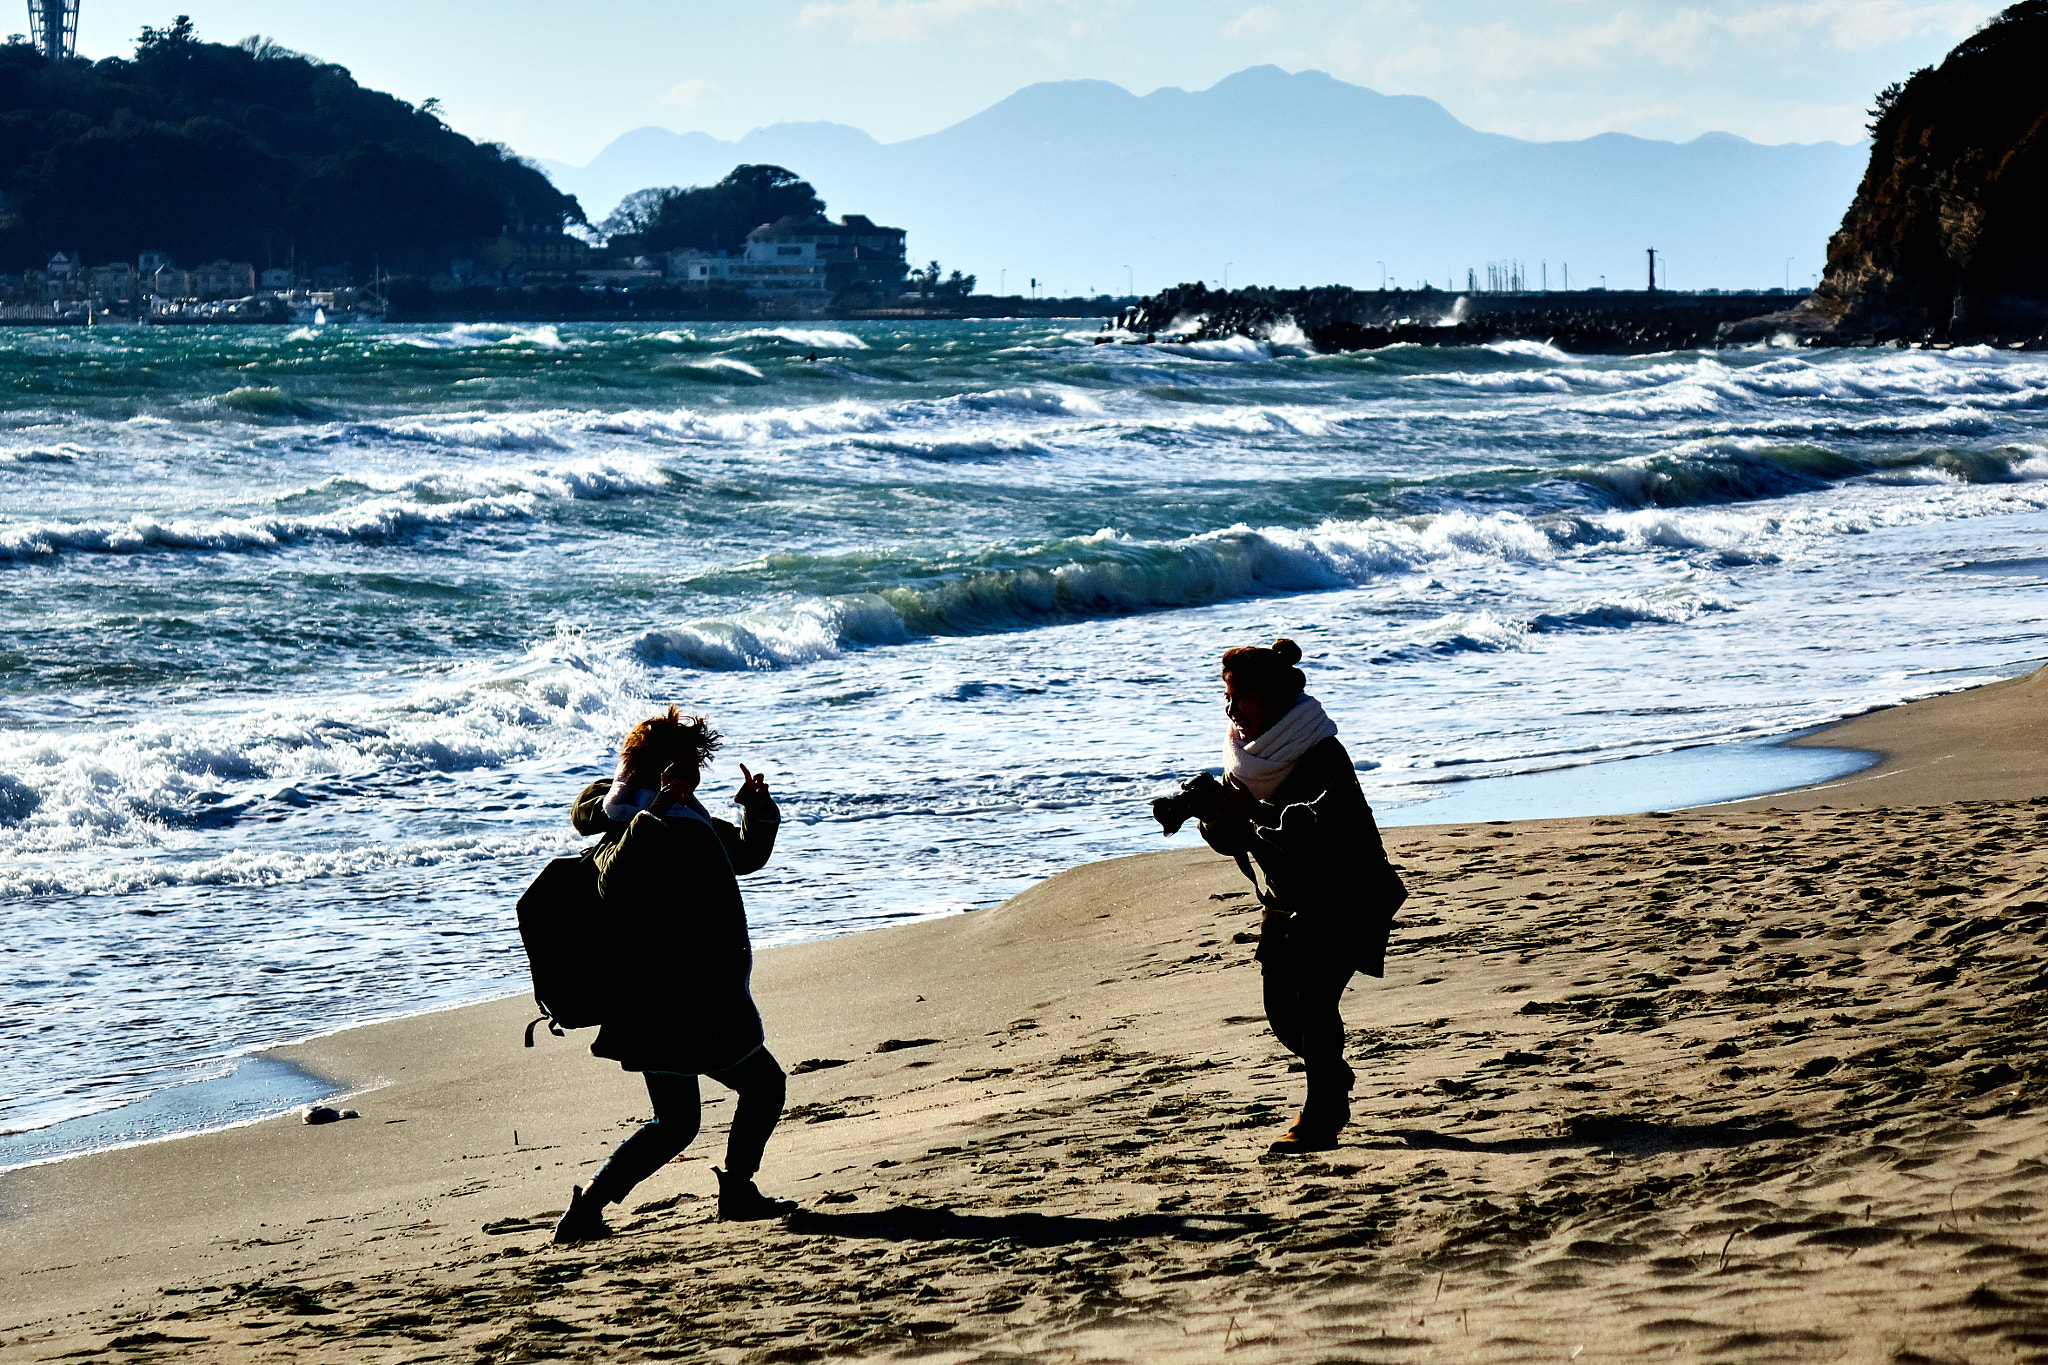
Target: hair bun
(1289, 652)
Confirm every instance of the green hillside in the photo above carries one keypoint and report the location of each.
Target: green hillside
(251, 152)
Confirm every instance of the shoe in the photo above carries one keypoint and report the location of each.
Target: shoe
(583, 1220)
(740, 1202)
(1306, 1137)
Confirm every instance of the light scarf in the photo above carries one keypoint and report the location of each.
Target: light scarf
(622, 803)
(1261, 765)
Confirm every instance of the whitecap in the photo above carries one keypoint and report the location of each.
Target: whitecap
(809, 337)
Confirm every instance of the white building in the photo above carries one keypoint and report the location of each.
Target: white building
(787, 272)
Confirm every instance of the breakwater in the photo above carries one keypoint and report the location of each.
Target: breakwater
(1592, 321)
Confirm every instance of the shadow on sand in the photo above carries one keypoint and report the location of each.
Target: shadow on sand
(905, 1224)
(1602, 1131)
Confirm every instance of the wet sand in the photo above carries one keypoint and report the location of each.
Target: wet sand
(1751, 1082)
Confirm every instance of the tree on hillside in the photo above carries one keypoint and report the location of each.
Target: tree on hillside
(252, 152)
(719, 217)
(637, 211)
(156, 41)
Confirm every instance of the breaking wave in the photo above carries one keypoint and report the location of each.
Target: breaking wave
(267, 867)
(377, 520)
(1112, 574)
(800, 336)
(159, 785)
(268, 401)
(469, 335)
(565, 430)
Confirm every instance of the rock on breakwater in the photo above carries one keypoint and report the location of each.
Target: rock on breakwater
(1335, 318)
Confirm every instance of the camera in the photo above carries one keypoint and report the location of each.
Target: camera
(1199, 798)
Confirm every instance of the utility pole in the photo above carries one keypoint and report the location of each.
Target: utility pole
(1653, 269)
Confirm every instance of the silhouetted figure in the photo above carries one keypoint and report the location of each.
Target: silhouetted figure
(1291, 813)
(672, 908)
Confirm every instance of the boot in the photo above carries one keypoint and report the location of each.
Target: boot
(583, 1220)
(1324, 1116)
(740, 1202)
(1307, 1135)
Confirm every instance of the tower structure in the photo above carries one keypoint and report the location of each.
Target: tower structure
(53, 27)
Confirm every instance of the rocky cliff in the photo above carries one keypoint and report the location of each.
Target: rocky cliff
(1944, 241)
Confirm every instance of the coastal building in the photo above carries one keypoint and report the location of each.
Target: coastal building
(111, 283)
(803, 262)
(855, 250)
(171, 282)
(514, 255)
(276, 279)
(60, 279)
(224, 280)
(769, 272)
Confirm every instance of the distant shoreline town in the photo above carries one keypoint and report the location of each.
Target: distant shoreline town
(795, 267)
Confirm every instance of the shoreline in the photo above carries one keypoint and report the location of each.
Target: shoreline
(1010, 1115)
(1572, 791)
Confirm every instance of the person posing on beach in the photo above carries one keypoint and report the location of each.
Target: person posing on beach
(1291, 812)
(667, 872)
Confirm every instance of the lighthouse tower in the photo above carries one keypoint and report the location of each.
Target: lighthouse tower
(53, 27)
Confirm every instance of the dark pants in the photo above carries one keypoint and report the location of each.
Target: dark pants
(1302, 1002)
(758, 1081)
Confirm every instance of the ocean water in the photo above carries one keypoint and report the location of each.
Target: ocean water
(308, 636)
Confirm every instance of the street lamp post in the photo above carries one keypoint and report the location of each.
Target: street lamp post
(1383, 273)
(1130, 283)
(1788, 273)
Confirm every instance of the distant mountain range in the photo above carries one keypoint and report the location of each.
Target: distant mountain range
(1286, 180)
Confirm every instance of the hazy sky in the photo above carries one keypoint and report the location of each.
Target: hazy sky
(561, 80)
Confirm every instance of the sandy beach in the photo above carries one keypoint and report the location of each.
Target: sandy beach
(1750, 1082)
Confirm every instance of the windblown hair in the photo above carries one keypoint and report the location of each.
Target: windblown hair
(658, 741)
(1270, 672)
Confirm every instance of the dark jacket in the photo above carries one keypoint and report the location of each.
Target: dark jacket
(679, 930)
(1315, 858)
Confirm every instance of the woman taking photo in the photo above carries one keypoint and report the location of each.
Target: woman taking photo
(1291, 813)
(667, 873)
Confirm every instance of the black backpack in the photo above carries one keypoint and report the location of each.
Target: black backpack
(559, 919)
